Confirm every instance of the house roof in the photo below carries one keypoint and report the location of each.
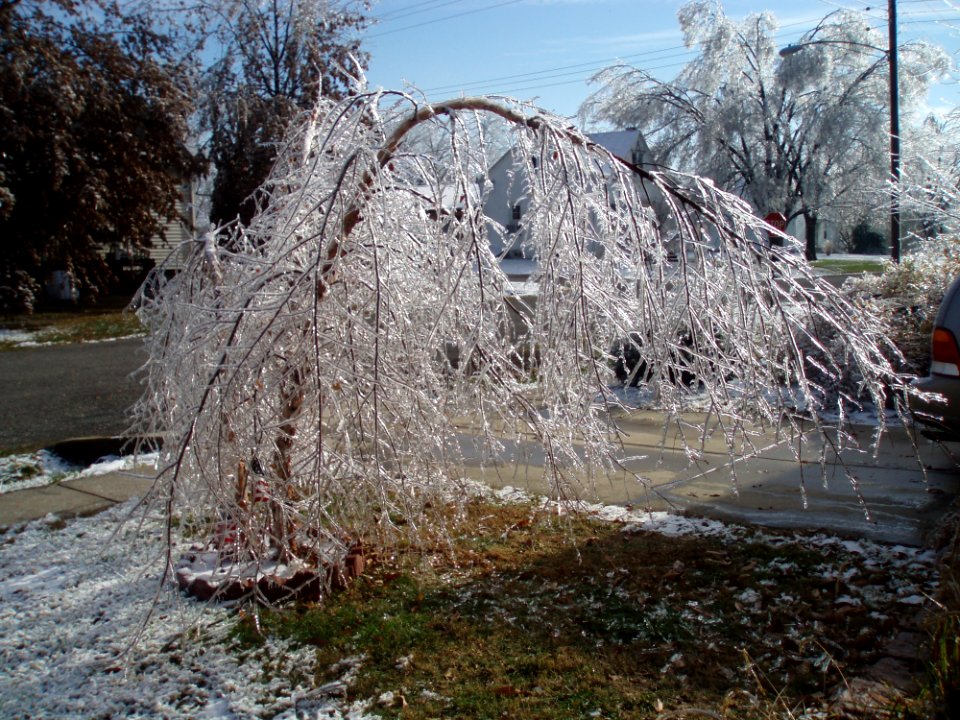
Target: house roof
(619, 142)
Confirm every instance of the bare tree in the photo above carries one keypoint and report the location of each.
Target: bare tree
(325, 378)
(275, 59)
(432, 140)
(798, 134)
(931, 179)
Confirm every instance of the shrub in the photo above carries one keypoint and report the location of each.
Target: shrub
(19, 292)
(907, 295)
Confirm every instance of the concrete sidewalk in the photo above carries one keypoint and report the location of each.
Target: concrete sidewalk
(75, 498)
(897, 496)
(903, 491)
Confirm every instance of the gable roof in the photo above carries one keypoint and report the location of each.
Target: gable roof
(619, 142)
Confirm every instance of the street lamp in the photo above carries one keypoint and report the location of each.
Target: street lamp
(891, 53)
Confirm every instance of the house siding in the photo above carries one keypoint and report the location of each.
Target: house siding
(507, 190)
(168, 245)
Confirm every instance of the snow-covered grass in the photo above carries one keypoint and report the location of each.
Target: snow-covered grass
(74, 600)
(608, 612)
(30, 470)
(17, 337)
(90, 629)
(58, 328)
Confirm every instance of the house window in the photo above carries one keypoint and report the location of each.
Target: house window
(517, 212)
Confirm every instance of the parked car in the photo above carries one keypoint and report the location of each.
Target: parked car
(941, 418)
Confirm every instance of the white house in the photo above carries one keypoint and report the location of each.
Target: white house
(175, 232)
(168, 247)
(505, 204)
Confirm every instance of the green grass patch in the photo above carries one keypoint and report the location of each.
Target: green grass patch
(942, 689)
(65, 327)
(531, 616)
(851, 266)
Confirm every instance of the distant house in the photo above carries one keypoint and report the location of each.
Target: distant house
(130, 265)
(828, 233)
(175, 232)
(505, 204)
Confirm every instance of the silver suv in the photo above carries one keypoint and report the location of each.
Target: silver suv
(942, 417)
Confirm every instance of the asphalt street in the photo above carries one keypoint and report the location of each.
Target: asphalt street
(52, 393)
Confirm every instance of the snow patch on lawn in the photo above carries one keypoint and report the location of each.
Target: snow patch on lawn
(75, 599)
(909, 567)
(37, 338)
(21, 472)
(17, 337)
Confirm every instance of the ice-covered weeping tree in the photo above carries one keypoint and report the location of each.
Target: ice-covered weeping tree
(322, 375)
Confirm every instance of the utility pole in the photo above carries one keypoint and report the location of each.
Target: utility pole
(894, 81)
(894, 135)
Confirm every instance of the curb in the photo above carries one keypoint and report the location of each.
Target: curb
(88, 450)
(81, 496)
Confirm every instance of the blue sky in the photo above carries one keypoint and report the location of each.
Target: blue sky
(547, 49)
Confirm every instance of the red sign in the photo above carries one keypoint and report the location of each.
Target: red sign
(777, 221)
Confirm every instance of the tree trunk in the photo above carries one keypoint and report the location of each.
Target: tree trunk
(810, 234)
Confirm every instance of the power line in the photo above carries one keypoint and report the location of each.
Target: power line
(400, 13)
(579, 72)
(527, 88)
(940, 9)
(576, 68)
(578, 78)
(926, 13)
(590, 67)
(445, 17)
(605, 62)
